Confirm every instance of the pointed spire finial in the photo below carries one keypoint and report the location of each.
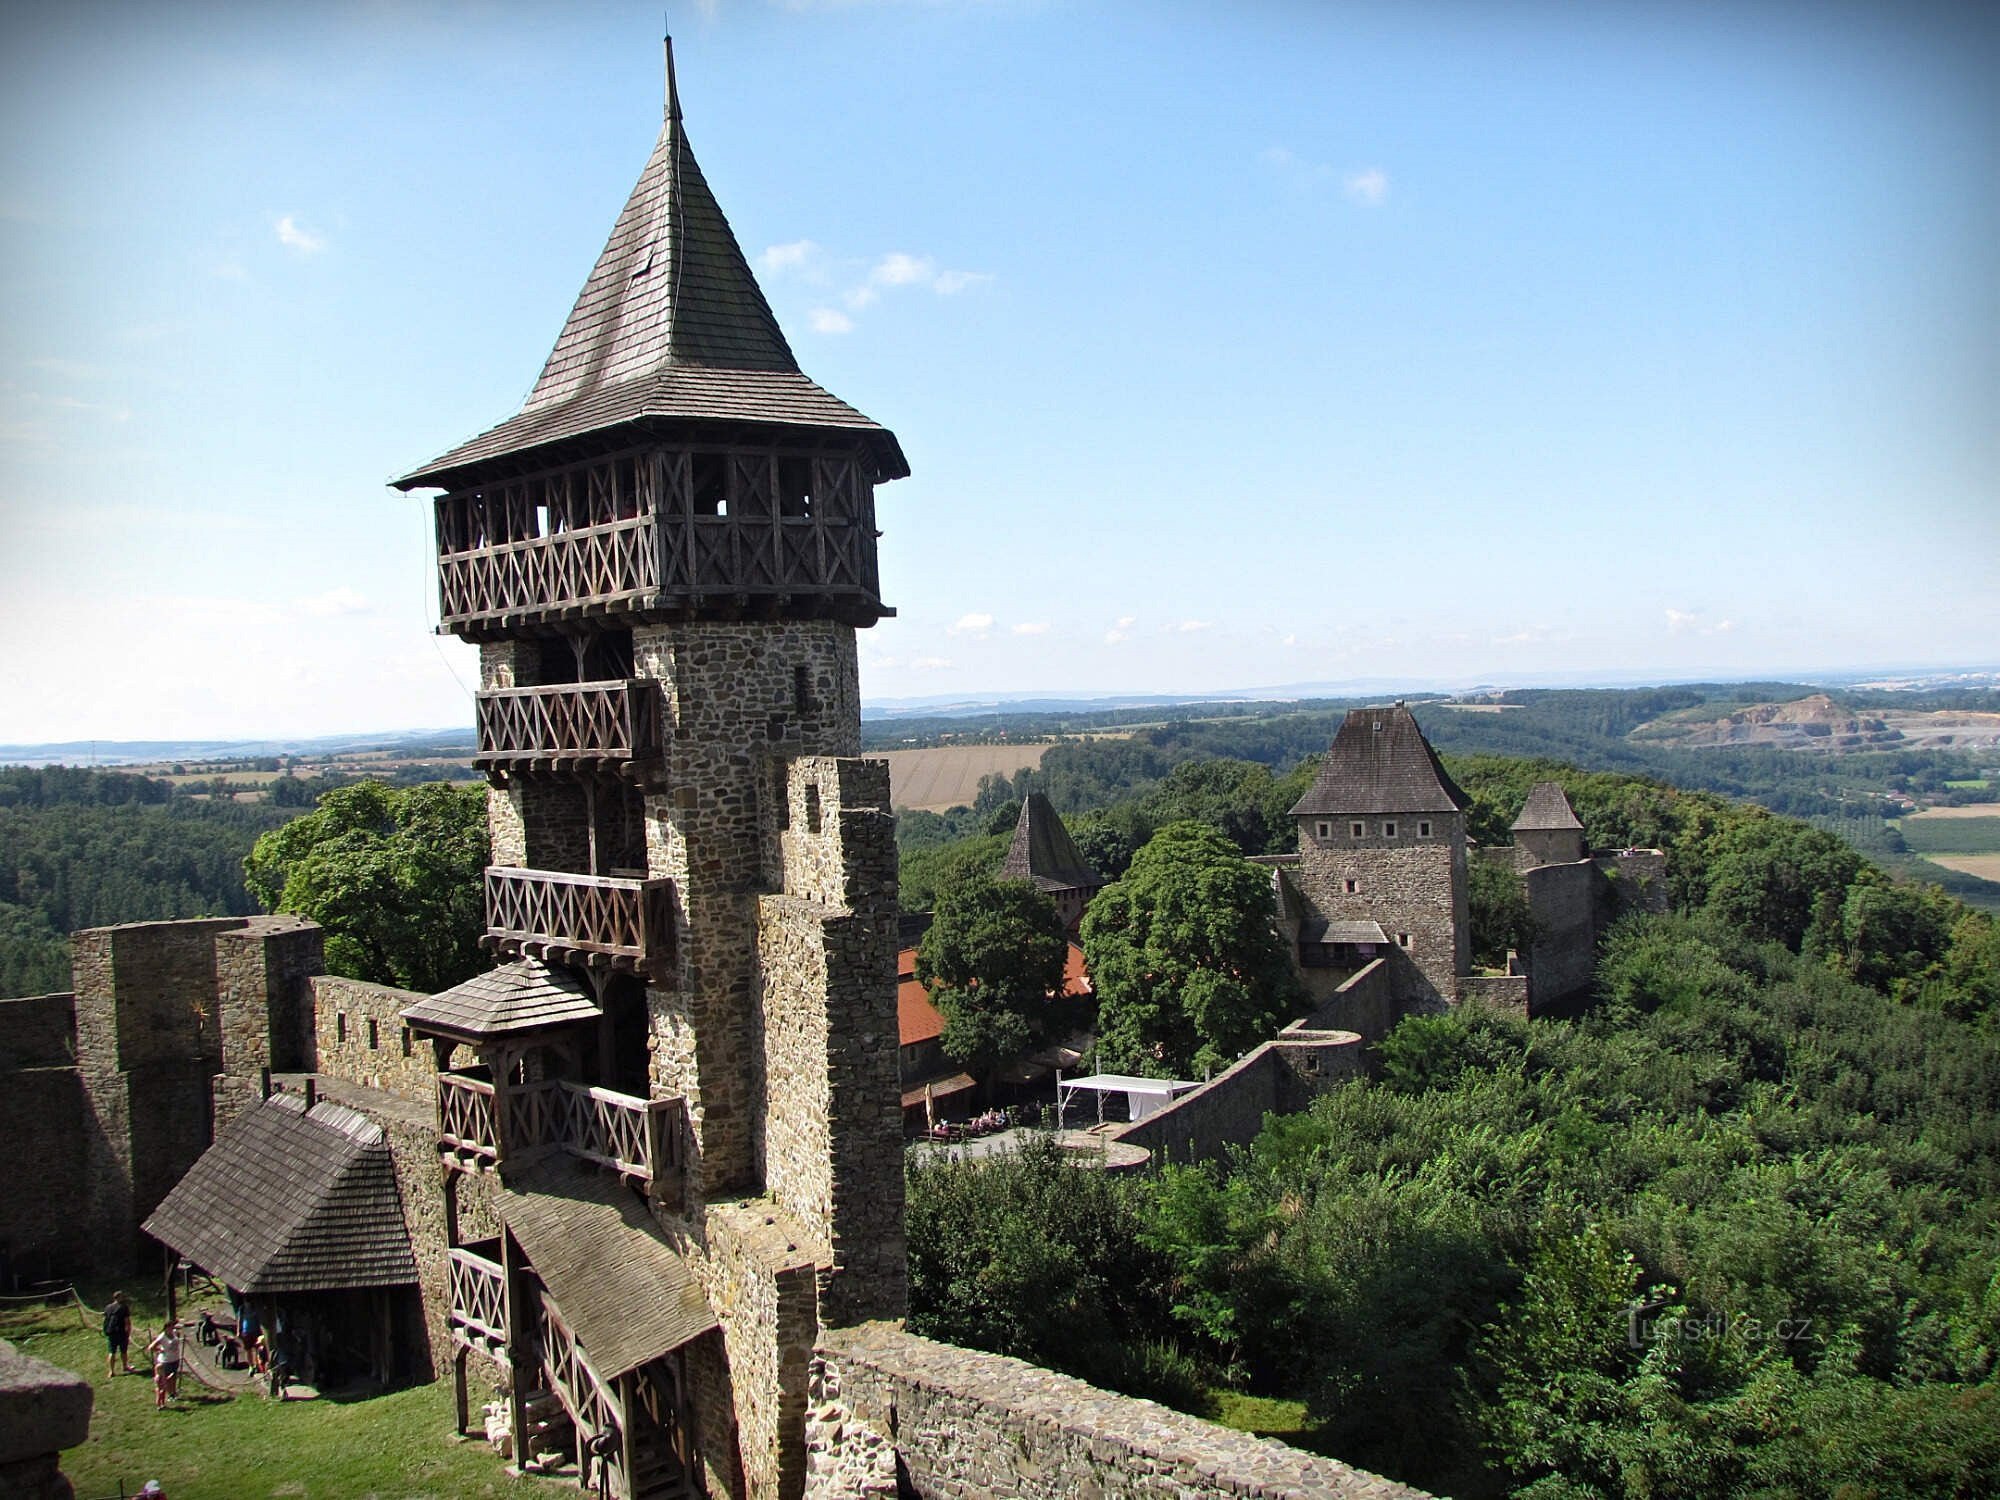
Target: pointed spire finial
(673, 94)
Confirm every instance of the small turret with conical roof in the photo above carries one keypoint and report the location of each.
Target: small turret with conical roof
(1044, 855)
(1547, 827)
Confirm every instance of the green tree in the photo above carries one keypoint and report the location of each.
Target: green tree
(1185, 955)
(392, 874)
(993, 963)
(1500, 916)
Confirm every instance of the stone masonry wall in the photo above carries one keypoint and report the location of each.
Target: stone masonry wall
(38, 1031)
(830, 1150)
(1373, 1000)
(759, 1270)
(1281, 1077)
(148, 1044)
(1638, 881)
(740, 700)
(1563, 901)
(360, 1036)
(1409, 883)
(263, 978)
(968, 1426)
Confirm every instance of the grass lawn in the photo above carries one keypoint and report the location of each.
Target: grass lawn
(1952, 835)
(216, 1447)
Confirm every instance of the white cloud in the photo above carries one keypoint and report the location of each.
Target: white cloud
(860, 297)
(949, 283)
(788, 257)
(1189, 627)
(1032, 627)
(295, 236)
(1290, 640)
(929, 663)
(829, 320)
(973, 625)
(1369, 185)
(1122, 631)
(898, 269)
(1686, 621)
(335, 602)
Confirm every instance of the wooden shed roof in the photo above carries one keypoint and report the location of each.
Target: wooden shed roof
(670, 324)
(516, 997)
(1044, 854)
(1547, 807)
(1380, 762)
(628, 1297)
(292, 1200)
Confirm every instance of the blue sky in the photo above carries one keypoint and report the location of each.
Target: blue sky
(1230, 345)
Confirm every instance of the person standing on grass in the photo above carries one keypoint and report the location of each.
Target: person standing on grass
(118, 1334)
(166, 1351)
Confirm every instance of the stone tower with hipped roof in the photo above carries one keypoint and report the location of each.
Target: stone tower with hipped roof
(1547, 827)
(1382, 841)
(663, 558)
(1044, 855)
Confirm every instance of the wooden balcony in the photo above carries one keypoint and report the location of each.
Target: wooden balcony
(661, 532)
(604, 724)
(480, 1126)
(478, 1300)
(602, 921)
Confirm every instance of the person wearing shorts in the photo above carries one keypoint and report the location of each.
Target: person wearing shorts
(118, 1334)
(166, 1351)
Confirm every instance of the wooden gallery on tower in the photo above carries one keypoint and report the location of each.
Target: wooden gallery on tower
(669, 1119)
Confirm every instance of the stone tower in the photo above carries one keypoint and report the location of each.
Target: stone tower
(1382, 839)
(664, 557)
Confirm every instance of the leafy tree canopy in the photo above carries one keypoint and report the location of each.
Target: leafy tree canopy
(993, 962)
(392, 874)
(1184, 953)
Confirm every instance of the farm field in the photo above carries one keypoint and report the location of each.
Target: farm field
(1945, 814)
(1985, 866)
(1952, 835)
(947, 776)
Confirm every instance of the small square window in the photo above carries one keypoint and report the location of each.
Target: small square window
(1388, 830)
(1423, 830)
(374, 1034)
(1352, 887)
(1326, 830)
(1357, 830)
(1402, 940)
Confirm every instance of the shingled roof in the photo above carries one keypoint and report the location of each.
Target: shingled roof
(627, 1296)
(1380, 762)
(291, 1200)
(671, 324)
(521, 996)
(1044, 853)
(1547, 807)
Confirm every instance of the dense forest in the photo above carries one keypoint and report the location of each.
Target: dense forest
(1734, 1232)
(83, 848)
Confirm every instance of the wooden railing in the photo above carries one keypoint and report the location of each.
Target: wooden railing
(577, 721)
(478, 1300)
(466, 1124)
(659, 529)
(592, 1404)
(600, 920)
(640, 1137)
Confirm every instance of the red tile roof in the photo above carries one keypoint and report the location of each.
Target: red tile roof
(918, 1020)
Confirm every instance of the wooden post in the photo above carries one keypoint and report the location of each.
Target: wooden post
(461, 1410)
(628, 1458)
(517, 1399)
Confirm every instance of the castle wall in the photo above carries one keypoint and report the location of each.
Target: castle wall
(1550, 846)
(1413, 884)
(360, 1037)
(740, 699)
(263, 977)
(1372, 1001)
(1638, 882)
(42, 1121)
(1563, 900)
(831, 1146)
(967, 1424)
(148, 1044)
(1280, 1077)
(1507, 992)
(38, 1031)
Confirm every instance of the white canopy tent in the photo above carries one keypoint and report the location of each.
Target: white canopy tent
(1143, 1096)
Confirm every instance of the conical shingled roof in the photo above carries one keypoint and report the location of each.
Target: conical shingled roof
(516, 997)
(1380, 762)
(292, 1200)
(1547, 807)
(670, 324)
(1044, 854)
